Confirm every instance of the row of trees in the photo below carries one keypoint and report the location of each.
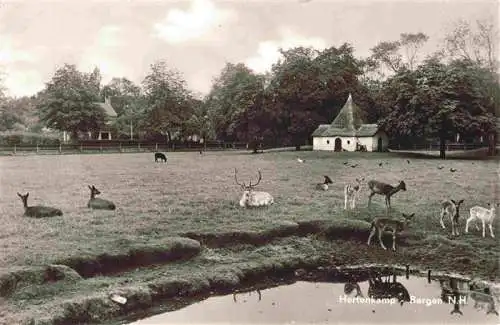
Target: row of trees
(455, 90)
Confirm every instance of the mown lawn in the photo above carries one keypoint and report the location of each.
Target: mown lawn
(194, 192)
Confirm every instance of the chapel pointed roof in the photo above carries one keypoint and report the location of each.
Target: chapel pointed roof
(350, 116)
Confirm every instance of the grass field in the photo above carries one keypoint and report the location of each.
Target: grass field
(195, 192)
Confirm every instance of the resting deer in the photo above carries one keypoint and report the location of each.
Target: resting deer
(380, 224)
(452, 209)
(38, 211)
(324, 186)
(97, 203)
(351, 192)
(387, 190)
(251, 198)
(486, 216)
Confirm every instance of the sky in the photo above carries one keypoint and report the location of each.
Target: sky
(197, 37)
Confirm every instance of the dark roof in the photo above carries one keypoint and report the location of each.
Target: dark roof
(349, 122)
(108, 109)
(350, 116)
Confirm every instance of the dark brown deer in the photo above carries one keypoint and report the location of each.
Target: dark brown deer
(384, 189)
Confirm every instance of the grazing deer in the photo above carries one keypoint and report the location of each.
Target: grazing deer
(380, 224)
(251, 198)
(160, 156)
(486, 216)
(452, 209)
(38, 211)
(387, 190)
(380, 289)
(97, 203)
(324, 186)
(351, 192)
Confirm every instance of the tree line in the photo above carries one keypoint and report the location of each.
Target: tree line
(413, 97)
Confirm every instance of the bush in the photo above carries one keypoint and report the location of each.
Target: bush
(25, 138)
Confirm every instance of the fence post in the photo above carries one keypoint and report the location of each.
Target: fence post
(60, 149)
(100, 147)
(121, 150)
(156, 147)
(37, 149)
(15, 149)
(139, 146)
(81, 147)
(173, 146)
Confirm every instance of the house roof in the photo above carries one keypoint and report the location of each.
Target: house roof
(108, 109)
(350, 117)
(326, 130)
(349, 123)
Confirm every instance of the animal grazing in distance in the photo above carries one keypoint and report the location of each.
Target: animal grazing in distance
(97, 203)
(387, 190)
(351, 192)
(160, 157)
(452, 209)
(324, 186)
(453, 170)
(38, 211)
(486, 216)
(250, 197)
(301, 160)
(380, 224)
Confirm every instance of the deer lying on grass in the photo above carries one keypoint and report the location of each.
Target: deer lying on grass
(486, 216)
(251, 198)
(97, 203)
(38, 211)
(380, 224)
(351, 192)
(452, 209)
(387, 190)
(324, 186)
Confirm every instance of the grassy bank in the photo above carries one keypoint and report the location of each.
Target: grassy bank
(183, 218)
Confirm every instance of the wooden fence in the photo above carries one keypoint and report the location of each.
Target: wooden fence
(106, 147)
(435, 147)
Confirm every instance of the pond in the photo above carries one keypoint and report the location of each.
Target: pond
(390, 299)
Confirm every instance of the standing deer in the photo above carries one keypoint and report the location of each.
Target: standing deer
(380, 224)
(486, 216)
(252, 198)
(351, 192)
(452, 209)
(384, 189)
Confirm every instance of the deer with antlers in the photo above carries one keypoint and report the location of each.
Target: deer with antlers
(250, 197)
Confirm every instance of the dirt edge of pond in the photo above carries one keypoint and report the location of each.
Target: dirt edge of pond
(343, 233)
(142, 300)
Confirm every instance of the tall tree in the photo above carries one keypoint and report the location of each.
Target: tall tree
(233, 93)
(474, 42)
(68, 101)
(168, 100)
(394, 55)
(437, 101)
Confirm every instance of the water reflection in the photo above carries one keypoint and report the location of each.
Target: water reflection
(390, 297)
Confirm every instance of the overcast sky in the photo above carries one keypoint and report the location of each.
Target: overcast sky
(197, 37)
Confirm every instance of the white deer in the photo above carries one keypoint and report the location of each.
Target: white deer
(251, 198)
(351, 192)
(486, 216)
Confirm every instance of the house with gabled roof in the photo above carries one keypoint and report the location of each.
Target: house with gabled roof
(105, 132)
(350, 132)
